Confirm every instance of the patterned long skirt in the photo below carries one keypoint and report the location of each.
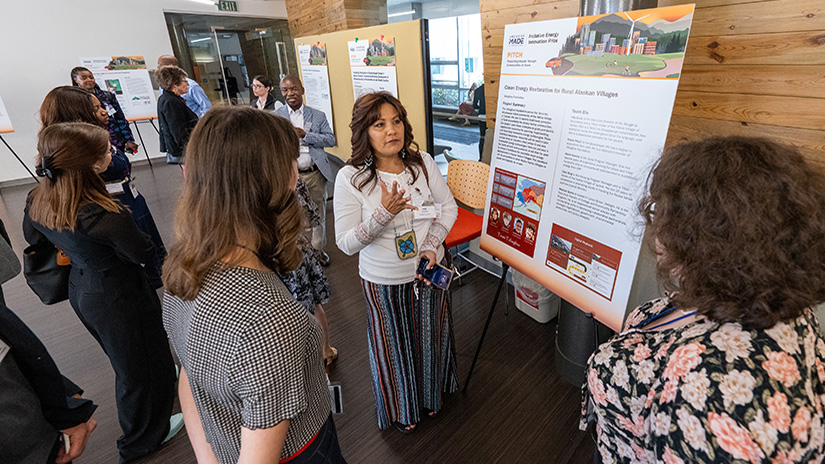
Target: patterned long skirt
(412, 352)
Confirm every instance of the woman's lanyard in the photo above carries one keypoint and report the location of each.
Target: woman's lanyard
(406, 245)
(661, 315)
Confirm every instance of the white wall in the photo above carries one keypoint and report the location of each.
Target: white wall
(42, 40)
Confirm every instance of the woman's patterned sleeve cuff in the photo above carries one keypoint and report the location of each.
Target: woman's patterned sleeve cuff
(434, 237)
(369, 229)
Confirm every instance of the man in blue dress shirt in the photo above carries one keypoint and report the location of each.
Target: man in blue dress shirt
(195, 98)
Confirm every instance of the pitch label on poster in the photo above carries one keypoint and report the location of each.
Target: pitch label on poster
(127, 78)
(515, 210)
(585, 261)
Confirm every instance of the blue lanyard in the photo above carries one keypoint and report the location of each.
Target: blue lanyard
(650, 319)
(661, 315)
(674, 320)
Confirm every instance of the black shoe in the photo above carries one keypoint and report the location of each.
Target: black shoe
(323, 257)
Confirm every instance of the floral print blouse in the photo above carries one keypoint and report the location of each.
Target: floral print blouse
(708, 392)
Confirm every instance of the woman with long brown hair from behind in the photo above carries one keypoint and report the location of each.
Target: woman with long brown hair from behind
(107, 287)
(253, 387)
(72, 104)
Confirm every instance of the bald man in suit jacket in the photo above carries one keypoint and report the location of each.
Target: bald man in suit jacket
(314, 167)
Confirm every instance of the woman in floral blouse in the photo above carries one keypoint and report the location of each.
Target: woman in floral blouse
(728, 367)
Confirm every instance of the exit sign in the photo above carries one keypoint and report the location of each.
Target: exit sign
(227, 6)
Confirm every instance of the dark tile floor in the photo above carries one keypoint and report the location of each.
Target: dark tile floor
(517, 408)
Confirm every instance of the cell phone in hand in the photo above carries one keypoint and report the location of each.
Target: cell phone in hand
(439, 275)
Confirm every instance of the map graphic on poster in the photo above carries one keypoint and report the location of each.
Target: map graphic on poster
(583, 112)
(5, 121)
(127, 78)
(529, 196)
(315, 76)
(372, 63)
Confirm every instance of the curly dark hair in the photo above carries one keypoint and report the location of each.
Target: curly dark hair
(170, 76)
(739, 226)
(365, 111)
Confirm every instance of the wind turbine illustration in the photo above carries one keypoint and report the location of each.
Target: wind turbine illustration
(632, 24)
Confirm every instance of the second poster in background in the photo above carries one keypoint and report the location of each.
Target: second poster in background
(372, 63)
(315, 75)
(5, 120)
(583, 112)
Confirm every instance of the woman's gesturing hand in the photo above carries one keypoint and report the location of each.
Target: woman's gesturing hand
(394, 200)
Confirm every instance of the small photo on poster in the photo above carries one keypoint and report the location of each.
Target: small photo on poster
(495, 215)
(318, 55)
(507, 219)
(518, 226)
(113, 86)
(530, 233)
(560, 244)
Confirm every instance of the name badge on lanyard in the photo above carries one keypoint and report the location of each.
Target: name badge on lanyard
(427, 208)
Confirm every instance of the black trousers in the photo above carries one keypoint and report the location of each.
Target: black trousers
(324, 449)
(123, 313)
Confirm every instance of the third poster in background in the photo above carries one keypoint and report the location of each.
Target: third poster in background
(583, 112)
(5, 121)
(127, 78)
(315, 74)
(373, 66)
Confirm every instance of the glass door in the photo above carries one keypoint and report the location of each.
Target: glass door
(224, 54)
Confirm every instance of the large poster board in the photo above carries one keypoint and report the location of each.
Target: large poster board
(411, 46)
(583, 112)
(128, 78)
(313, 59)
(372, 63)
(5, 121)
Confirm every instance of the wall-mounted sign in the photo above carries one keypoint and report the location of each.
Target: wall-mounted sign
(226, 5)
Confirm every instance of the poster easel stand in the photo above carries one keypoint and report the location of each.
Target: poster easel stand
(18, 159)
(145, 151)
(504, 268)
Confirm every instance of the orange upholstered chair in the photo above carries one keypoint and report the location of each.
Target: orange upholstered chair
(468, 183)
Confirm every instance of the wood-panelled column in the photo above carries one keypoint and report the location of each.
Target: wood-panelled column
(311, 17)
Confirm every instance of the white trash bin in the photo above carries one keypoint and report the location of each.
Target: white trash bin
(534, 300)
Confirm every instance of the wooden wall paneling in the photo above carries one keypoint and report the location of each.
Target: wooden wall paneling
(312, 17)
(802, 113)
(787, 81)
(810, 142)
(759, 18)
(759, 49)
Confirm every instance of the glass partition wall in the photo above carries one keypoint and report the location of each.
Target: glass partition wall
(224, 53)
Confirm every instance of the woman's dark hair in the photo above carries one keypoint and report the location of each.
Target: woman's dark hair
(169, 76)
(239, 174)
(67, 104)
(264, 80)
(739, 226)
(75, 71)
(66, 153)
(365, 112)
